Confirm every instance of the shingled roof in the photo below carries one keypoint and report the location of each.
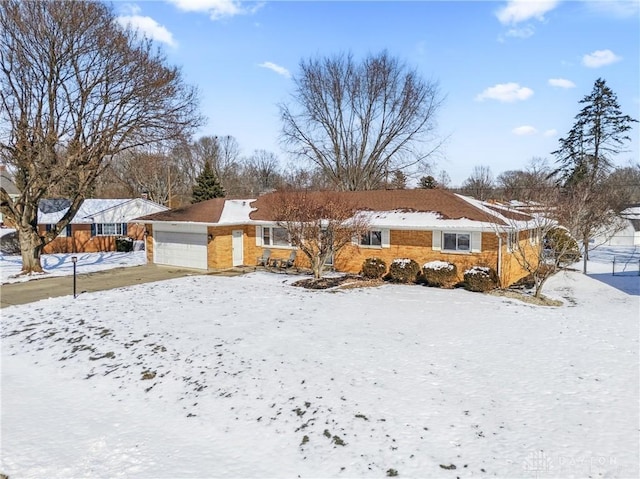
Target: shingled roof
(446, 204)
(442, 204)
(204, 212)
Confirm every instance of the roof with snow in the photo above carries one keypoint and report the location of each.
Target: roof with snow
(407, 209)
(95, 210)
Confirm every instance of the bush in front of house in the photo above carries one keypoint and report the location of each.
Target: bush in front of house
(124, 244)
(480, 279)
(403, 270)
(373, 268)
(440, 274)
(562, 246)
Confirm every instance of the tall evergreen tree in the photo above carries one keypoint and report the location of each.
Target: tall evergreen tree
(428, 183)
(585, 159)
(207, 185)
(599, 133)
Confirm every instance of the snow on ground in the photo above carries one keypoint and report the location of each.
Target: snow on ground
(61, 265)
(251, 377)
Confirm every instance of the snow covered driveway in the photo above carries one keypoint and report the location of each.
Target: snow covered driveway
(251, 377)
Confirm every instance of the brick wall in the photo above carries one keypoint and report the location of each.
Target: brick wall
(81, 240)
(148, 243)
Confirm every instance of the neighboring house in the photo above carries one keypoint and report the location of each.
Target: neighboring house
(97, 223)
(627, 231)
(423, 225)
(9, 186)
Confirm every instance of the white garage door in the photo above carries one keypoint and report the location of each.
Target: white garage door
(188, 250)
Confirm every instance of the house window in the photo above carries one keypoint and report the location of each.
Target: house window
(371, 238)
(275, 236)
(66, 231)
(110, 229)
(456, 241)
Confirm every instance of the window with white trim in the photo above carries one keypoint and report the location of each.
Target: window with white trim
(274, 236)
(456, 242)
(371, 238)
(111, 229)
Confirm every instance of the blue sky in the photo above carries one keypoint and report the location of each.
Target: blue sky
(512, 72)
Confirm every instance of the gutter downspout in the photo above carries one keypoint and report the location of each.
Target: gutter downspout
(499, 269)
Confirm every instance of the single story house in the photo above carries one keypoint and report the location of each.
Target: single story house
(424, 225)
(97, 223)
(626, 232)
(6, 182)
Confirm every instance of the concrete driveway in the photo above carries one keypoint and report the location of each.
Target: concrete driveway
(35, 290)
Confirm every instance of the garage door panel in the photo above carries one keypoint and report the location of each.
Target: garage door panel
(188, 250)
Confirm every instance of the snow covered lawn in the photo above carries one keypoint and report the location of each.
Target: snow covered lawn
(61, 264)
(250, 377)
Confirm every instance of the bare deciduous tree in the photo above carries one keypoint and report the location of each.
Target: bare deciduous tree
(320, 224)
(138, 172)
(358, 122)
(535, 239)
(588, 211)
(75, 90)
(479, 184)
(261, 172)
(531, 184)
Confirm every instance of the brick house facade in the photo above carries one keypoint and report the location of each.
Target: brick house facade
(423, 225)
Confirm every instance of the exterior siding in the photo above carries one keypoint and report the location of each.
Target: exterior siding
(81, 240)
(416, 245)
(148, 242)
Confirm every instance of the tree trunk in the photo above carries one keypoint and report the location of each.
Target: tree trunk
(31, 247)
(585, 256)
(317, 266)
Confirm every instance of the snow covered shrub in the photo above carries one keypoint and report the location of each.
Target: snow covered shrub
(403, 270)
(480, 279)
(559, 244)
(374, 268)
(124, 244)
(440, 274)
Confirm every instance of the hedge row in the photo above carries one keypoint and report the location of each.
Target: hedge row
(440, 274)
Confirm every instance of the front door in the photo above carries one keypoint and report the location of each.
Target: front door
(237, 250)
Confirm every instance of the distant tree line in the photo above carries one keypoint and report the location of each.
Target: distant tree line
(91, 109)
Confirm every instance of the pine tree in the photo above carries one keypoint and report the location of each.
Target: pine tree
(585, 157)
(599, 132)
(428, 183)
(207, 185)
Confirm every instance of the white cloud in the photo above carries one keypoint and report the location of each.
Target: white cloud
(524, 130)
(551, 132)
(216, 8)
(561, 83)
(600, 58)
(617, 9)
(276, 68)
(147, 26)
(522, 32)
(505, 92)
(516, 11)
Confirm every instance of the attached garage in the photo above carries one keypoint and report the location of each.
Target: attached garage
(180, 245)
